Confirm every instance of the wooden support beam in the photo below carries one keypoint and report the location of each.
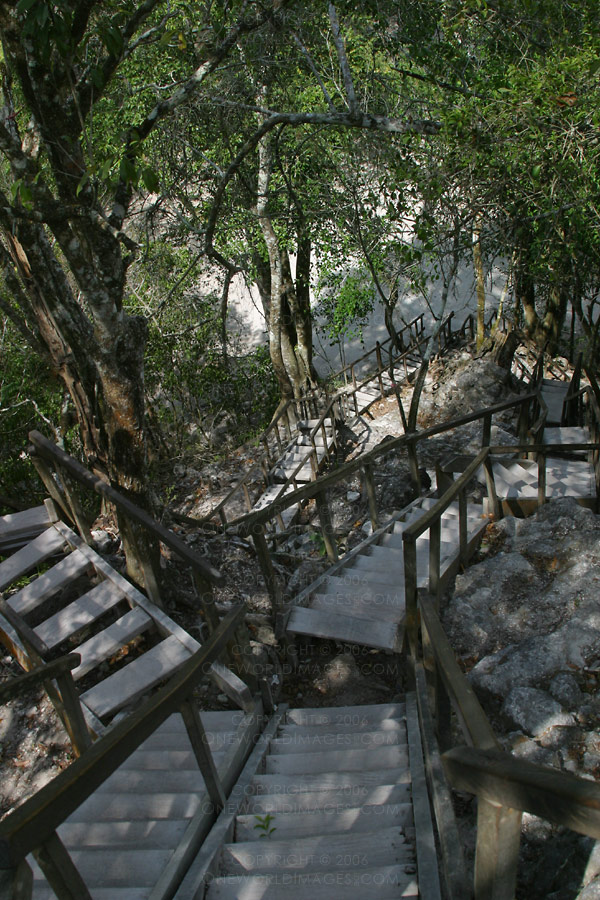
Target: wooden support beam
(61, 873)
(266, 567)
(16, 883)
(326, 525)
(203, 754)
(371, 495)
(497, 851)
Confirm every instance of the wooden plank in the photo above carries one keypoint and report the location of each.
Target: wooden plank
(346, 715)
(370, 604)
(499, 778)
(337, 760)
(205, 865)
(135, 679)
(30, 556)
(102, 645)
(429, 882)
(331, 740)
(82, 612)
(344, 628)
(26, 520)
(326, 852)
(326, 800)
(61, 870)
(332, 820)
(44, 586)
(453, 864)
(37, 818)
(160, 834)
(124, 868)
(229, 770)
(382, 883)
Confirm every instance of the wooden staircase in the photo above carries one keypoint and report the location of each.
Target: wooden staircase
(332, 804)
(74, 601)
(130, 838)
(381, 384)
(361, 599)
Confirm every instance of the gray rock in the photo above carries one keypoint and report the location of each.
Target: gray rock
(565, 689)
(353, 496)
(534, 711)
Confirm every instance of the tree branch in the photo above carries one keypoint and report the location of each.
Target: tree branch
(343, 61)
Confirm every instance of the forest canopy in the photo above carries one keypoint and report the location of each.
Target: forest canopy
(154, 152)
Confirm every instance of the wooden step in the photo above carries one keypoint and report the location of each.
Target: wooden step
(149, 833)
(30, 556)
(382, 883)
(79, 614)
(326, 800)
(366, 602)
(21, 527)
(334, 716)
(332, 852)
(352, 629)
(103, 645)
(48, 584)
(319, 741)
(356, 785)
(331, 820)
(392, 757)
(120, 868)
(135, 679)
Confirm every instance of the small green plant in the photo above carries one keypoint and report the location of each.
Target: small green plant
(263, 825)
(319, 542)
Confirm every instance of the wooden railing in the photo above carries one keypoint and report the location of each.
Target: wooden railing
(505, 787)
(255, 523)
(58, 471)
(336, 407)
(32, 827)
(410, 335)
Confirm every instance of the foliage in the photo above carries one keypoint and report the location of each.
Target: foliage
(29, 398)
(345, 301)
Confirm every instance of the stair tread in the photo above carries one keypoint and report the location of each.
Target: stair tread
(303, 742)
(79, 614)
(131, 682)
(385, 846)
(328, 799)
(391, 757)
(362, 884)
(30, 556)
(44, 586)
(332, 820)
(343, 627)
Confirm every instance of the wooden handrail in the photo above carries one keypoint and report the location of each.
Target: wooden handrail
(11, 689)
(559, 797)
(50, 452)
(246, 523)
(35, 821)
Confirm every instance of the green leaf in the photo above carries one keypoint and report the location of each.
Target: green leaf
(24, 5)
(150, 179)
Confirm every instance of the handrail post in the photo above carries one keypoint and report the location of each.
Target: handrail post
(16, 883)
(371, 495)
(326, 525)
(541, 463)
(202, 752)
(379, 368)
(435, 542)
(486, 430)
(410, 592)
(61, 873)
(491, 488)
(497, 851)
(205, 594)
(266, 567)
